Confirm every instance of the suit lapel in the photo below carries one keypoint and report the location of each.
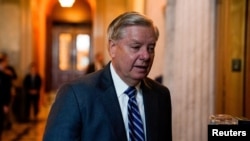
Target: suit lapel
(151, 114)
(111, 105)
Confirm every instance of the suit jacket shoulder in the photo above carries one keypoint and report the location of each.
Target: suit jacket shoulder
(94, 110)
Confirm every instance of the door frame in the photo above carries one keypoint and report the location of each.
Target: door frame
(247, 65)
(52, 51)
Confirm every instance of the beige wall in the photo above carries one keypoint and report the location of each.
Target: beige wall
(189, 66)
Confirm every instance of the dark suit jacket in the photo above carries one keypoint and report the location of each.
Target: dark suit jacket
(29, 84)
(5, 89)
(5, 96)
(88, 110)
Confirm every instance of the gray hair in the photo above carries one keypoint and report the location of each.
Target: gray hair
(129, 19)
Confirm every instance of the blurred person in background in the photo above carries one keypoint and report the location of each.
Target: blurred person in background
(10, 70)
(32, 84)
(5, 88)
(10, 89)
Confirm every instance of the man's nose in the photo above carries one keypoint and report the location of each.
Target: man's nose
(145, 54)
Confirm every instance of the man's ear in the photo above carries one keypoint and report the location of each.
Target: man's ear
(112, 48)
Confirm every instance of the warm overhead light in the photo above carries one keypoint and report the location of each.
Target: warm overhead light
(66, 3)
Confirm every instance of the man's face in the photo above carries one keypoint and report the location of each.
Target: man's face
(133, 55)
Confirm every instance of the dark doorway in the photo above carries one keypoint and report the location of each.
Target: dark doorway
(69, 41)
(71, 47)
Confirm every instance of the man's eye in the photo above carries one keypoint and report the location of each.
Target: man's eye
(135, 47)
(151, 49)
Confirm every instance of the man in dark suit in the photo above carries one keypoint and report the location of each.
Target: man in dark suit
(32, 84)
(96, 108)
(11, 90)
(5, 87)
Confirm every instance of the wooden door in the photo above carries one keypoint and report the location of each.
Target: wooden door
(70, 53)
(230, 57)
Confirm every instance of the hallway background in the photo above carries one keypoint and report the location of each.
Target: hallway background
(198, 45)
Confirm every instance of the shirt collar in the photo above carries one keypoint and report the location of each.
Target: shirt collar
(120, 85)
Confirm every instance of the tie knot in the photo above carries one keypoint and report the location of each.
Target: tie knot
(131, 91)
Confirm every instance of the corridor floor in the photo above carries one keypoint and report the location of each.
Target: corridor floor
(30, 131)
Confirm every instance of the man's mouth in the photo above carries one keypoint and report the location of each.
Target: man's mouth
(142, 67)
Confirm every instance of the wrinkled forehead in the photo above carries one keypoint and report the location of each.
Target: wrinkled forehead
(138, 30)
(122, 32)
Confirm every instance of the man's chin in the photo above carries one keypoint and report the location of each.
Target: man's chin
(140, 76)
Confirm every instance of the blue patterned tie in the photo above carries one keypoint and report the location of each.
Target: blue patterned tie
(135, 123)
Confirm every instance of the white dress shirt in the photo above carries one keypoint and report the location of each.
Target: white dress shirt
(120, 88)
